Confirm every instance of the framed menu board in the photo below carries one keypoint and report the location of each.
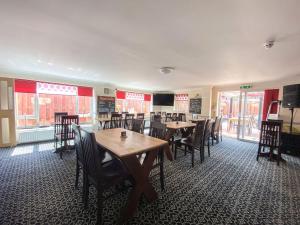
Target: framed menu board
(195, 105)
(106, 104)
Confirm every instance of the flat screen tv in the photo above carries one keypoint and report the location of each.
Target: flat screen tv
(163, 99)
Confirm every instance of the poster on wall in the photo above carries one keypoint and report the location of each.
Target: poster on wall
(195, 105)
(106, 104)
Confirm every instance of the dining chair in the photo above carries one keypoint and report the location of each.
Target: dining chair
(207, 136)
(158, 113)
(158, 130)
(193, 142)
(152, 114)
(100, 176)
(174, 117)
(168, 117)
(140, 116)
(79, 153)
(157, 118)
(270, 137)
(215, 134)
(116, 120)
(58, 125)
(128, 121)
(67, 133)
(138, 126)
(182, 117)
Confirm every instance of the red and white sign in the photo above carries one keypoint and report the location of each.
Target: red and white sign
(56, 89)
(134, 96)
(181, 97)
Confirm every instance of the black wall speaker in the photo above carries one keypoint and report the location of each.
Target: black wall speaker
(291, 96)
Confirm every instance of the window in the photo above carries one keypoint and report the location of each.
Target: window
(133, 102)
(37, 107)
(26, 110)
(182, 103)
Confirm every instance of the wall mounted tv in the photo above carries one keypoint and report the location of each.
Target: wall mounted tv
(163, 99)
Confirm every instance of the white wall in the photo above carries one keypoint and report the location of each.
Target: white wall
(203, 92)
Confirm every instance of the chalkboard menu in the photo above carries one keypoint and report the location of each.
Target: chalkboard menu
(106, 104)
(195, 105)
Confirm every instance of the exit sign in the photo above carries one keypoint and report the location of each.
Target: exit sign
(245, 86)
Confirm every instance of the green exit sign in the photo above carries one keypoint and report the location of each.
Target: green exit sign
(245, 86)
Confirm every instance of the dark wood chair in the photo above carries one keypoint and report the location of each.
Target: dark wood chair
(215, 134)
(174, 117)
(207, 136)
(128, 121)
(158, 130)
(102, 177)
(138, 126)
(168, 117)
(116, 120)
(79, 153)
(157, 118)
(67, 133)
(270, 137)
(58, 125)
(140, 116)
(182, 117)
(152, 114)
(194, 142)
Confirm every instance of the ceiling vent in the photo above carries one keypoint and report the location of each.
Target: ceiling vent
(166, 70)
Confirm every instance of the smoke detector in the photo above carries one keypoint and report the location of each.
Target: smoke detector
(269, 44)
(166, 70)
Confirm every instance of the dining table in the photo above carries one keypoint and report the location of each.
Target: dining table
(127, 149)
(186, 128)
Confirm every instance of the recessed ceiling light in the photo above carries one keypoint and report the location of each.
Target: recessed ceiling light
(166, 70)
(39, 61)
(70, 68)
(50, 63)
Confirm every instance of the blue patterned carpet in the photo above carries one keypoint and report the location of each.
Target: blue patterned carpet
(230, 187)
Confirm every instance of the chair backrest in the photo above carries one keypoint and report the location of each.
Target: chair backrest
(182, 117)
(217, 124)
(174, 117)
(208, 130)
(103, 114)
(157, 118)
(116, 120)
(163, 114)
(67, 121)
(128, 121)
(91, 156)
(140, 116)
(158, 113)
(77, 142)
(270, 133)
(152, 114)
(57, 122)
(198, 135)
(158, 130)
(138, 126)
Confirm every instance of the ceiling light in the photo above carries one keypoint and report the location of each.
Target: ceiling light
(166, 70)
(269, 44)
(50, 63)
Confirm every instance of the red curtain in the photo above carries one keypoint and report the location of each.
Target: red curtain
(269, 96)
(147, 97)
(121, 94)
(85, 91)
(25, 86)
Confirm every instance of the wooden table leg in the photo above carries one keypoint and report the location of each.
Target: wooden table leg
(140, 173)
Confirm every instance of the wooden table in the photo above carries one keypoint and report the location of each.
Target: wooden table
(127, 149)
(185, 127)
(179, 125)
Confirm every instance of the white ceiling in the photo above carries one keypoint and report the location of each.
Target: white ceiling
(126, 42)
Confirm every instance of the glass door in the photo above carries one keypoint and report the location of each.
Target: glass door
(250, 115)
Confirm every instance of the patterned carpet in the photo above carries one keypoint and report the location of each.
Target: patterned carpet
(230, 187)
